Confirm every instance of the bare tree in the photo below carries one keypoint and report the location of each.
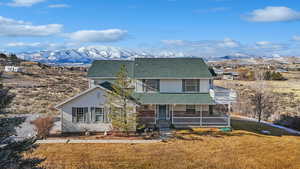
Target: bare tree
(262, 99)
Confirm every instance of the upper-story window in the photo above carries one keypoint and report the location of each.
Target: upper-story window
(151, 85)
(190, 85)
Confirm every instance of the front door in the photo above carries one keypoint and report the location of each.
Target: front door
(162, 112)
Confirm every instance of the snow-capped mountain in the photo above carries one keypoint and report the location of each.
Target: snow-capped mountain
(85, 55)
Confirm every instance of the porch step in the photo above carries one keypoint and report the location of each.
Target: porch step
(165, 134)
(164, 124)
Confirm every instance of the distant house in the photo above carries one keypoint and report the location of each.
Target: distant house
(12, 69)
(281, 71)
(168, 91)
(230, 76)
(219, 72)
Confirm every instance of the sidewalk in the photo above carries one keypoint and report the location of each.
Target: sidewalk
(98, 141)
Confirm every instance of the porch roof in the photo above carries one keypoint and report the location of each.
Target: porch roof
(173, 98)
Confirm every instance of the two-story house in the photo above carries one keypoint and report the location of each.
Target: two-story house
(168, 91)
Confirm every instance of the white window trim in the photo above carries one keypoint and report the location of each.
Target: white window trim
(84, 113)
(94, 115)
(197, 85)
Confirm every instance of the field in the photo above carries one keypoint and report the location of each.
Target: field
(39, 89)
(288, 90)
(243, 148)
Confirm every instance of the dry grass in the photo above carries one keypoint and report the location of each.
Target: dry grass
(201, 148)
(288, 91)
(39, 90)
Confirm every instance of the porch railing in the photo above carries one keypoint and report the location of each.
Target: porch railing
(147, 120)
(193, 121)
(202, 121)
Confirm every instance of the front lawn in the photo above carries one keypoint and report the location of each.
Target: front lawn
(243, 148)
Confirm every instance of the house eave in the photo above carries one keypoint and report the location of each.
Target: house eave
(58, 106)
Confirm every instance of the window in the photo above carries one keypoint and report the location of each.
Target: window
(191, 108)
(99, 114)
(210, 83)
(151, 85)
(79, 114)
(190, 85)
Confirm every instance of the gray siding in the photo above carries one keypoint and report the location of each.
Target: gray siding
(94, 98)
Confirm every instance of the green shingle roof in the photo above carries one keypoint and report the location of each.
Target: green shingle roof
(173, 98)
(152, 68)
(109, 68)
(171, 68)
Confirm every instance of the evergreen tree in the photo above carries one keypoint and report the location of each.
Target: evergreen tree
(122, 111)
(211, 69)
(268, 75)
(11, 152)
(277, 76)
(14, 59)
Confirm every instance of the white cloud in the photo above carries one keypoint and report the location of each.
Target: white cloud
(35, 46)
(273, 14)
(296, 38)
(22, 44)
(14, 28)
(226, 43)
(24, 3)
(229, 43)
(269, 45)
(173, 42)
(262, 43)
(59, 6)
(109, 35)
(228, 46)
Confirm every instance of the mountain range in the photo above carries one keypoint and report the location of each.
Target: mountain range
(85, 55)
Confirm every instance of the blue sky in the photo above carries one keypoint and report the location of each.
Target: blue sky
(193, 27)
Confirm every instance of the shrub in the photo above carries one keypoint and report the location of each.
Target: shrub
(277, 76)
(43, 126)
(289, 121)
(268, 75)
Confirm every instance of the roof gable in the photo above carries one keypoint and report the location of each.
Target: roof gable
(171, 68)
(152, 68)
(109, 68)
(80, 95)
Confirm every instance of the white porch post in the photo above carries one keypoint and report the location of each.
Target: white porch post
(155, 107)
(172, 113)
(228, 116)
(201, 115)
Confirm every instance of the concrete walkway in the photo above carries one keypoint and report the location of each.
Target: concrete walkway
(98, 141)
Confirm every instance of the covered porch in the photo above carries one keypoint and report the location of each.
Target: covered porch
(184, 115)
(182, 110)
